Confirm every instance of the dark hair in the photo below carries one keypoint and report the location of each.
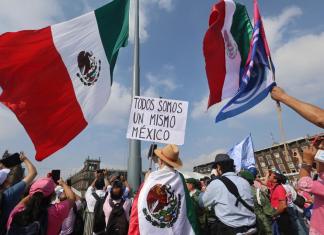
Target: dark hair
(281, 179)
(227, 166)
(35, 208)
(100, 183)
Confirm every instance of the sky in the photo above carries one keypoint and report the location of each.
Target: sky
(172, 66)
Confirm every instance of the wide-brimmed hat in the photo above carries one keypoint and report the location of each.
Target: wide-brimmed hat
(221, 157)
(43, 185)
(170, 155)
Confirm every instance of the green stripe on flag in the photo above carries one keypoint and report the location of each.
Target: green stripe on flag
(113, 24)
(242, 31)
(191, 214)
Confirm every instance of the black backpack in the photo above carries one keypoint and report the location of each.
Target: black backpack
(117, 222)
(36, 228)
(99, 223)
(78, 226)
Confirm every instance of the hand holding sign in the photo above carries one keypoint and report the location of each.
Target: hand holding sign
(158, 120)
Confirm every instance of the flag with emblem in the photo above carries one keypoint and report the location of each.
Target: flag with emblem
(56, 79)
(163, 206)
(226, 48)
(255, 84)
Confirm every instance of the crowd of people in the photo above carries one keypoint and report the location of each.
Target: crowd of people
(226, 202)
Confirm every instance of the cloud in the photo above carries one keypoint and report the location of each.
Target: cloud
(116, 111)
(162, 83)
(9, 125)
(199, 109)
(145, 14)
(17, 15)
(299, 66)
(276, 26)
(201, 159)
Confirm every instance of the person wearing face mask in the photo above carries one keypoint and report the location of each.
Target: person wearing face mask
(315, 187)
(116, 209)
(231, 198)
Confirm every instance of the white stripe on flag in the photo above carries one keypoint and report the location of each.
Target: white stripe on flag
(72, 37)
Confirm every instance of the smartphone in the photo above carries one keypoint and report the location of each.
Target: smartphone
(12, 160)
(68, 182)
(151, 150)
(56, 175)
(319, 156)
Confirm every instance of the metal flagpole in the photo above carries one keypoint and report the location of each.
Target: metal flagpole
(134, 171)
(279, 112)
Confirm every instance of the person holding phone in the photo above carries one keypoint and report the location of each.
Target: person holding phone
(315, 187)
(11, 194)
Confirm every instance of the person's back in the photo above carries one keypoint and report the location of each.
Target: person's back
(13, 193)
(225, 208)
(231, 198)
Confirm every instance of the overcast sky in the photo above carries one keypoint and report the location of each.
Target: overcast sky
(172, 66)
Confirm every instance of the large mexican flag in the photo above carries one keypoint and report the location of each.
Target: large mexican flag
(163, 206)
(58, 78)
(226, 47)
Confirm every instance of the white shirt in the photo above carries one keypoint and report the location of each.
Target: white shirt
(91, 201)
(217, 195)
(291, 195)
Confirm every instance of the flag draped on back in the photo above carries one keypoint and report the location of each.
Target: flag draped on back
(255, 84)
(163, 206)
(58, 78)
(243, 154)
(226, 48)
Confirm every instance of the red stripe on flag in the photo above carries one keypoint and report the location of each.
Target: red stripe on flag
(214, 52)
(37, 88)
(133, 221)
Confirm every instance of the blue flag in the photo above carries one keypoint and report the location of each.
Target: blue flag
(243, 154)
(255, 85)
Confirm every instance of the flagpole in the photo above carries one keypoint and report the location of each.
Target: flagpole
(279, 112)
(134, 171)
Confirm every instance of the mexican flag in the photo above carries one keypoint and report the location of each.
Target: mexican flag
(163, 206)
(226, 48)
(56, 79)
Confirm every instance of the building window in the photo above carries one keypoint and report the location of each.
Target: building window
(291, 165)
(263, 164)
(282, 168)
(279, 160)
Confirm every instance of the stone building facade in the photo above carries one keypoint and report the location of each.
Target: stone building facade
(274, 158)
(83, 179)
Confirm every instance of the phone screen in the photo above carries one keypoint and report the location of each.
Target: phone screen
(12, 160)
(319, 156)
(56, 175)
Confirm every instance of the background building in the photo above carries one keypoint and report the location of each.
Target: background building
(274, 158)
(83, 179)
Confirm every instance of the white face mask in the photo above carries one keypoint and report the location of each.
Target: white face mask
(156, 166)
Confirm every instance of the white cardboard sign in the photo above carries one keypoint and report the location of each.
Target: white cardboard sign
(158, 120)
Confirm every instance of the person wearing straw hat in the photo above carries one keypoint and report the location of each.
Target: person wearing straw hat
(163, 204)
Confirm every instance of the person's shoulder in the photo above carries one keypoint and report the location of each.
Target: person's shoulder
(18, 187)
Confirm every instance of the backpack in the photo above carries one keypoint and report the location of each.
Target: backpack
(78, 226)
(231, 187)
(99, 223)
(117, 222)
(300, 201)
(36, 228)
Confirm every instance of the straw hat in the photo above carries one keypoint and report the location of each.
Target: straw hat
(170, 155)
